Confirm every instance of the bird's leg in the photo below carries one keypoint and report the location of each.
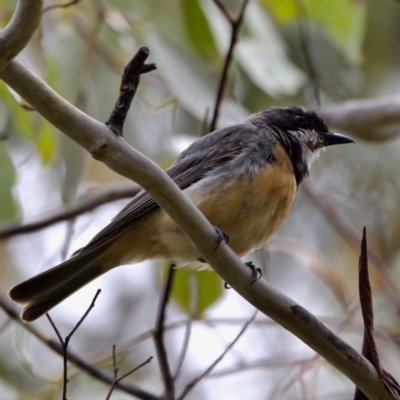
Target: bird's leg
(221, 236)
(257, 272)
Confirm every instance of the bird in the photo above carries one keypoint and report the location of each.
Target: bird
(243, 178)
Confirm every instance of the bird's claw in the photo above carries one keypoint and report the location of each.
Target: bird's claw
(221, 236)
(257, 272)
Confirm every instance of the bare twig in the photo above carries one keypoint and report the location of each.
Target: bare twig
(347, 231)
(65, 5)
(305, 44)
(13, 312)
(195, 381)
(236, 25)
(79, 206)
(65, 342)
(129, 84)
(158, 336)
(192, 313)
(116, 379)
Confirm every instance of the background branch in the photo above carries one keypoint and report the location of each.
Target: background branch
(235, 26)
(13, 312)
(195, 381)
(158, 336)
(65, 342)
(77, 207)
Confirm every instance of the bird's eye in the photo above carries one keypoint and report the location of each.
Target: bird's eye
(301, 119)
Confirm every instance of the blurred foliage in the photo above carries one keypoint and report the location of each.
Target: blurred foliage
(81, 51)
(208, 287)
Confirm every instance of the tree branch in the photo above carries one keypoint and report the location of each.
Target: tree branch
(65, 342)
(236, 25)
(195, 381)
(105, 146)
(158, 336)
(16, 35)
(116, 379)
(77, 207)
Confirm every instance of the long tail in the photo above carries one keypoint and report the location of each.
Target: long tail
(44, 291)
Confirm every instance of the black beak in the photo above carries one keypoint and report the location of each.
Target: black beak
(332, 138)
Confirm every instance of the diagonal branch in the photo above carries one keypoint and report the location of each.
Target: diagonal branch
(79, 206)
(195, 381)
(116, 379)
(104, 145)
(235, 25)
(304, 37)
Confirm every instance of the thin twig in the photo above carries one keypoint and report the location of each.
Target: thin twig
(116, 379)
(79, 206)
(193, 299)
(13, 312)
(158, 336)
(65, 5)
(305, 44)
(195, 381)
(65, 342)
(236, 25)
(129, 84)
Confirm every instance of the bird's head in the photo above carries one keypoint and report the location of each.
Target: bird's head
(301, 128)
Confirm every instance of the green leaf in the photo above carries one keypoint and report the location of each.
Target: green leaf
(209, 289)
(198, 29)
(7, 177)
(283, 11)
(46, 143)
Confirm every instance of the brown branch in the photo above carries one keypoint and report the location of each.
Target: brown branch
(65, 5)
(129, 84)
(236, 25)
(193, 299)
(304, 37)
(116, 379)
(65, 342)
(79, 206)
(158, 336)
(347, 231)
(195, 381)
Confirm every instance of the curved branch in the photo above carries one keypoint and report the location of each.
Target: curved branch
(123, 159)
(16, 35)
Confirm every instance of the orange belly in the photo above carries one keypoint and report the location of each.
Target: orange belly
(248, 209)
